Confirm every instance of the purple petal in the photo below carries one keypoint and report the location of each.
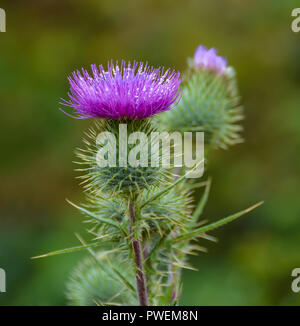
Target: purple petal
(209, 60)
(126, 90)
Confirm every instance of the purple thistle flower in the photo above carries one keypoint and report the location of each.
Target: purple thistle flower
(133, 91)
(208, 59)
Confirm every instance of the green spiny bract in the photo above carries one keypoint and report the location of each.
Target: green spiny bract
(210, 103)
(168, 211)
(159, 216)
(110, 208)
(121, 180)
(91, 285)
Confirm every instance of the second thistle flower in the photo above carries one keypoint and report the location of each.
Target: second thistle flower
(210, 101)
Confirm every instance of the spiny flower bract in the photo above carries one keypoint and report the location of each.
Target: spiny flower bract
(118, 179)
(134, 91)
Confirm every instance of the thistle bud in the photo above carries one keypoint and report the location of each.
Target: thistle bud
(169, 211)
(91, 285)
(210, 101)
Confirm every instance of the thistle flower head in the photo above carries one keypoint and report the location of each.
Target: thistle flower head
(209, 60)
(210, 103)
(134, 91)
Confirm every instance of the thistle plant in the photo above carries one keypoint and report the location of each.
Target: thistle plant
(142, 218)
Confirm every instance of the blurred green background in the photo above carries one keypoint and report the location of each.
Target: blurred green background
(47, 39)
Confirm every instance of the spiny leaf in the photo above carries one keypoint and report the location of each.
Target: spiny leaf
(98, 218)
(68, 250)
(196, 185)
(215, 225)
(199, 209)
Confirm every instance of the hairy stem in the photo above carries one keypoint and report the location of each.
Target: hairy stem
(138, 258)
(174, 281)
(174, 276)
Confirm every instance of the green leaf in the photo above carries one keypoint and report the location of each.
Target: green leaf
(98, 218)
(212, 226)
(68, 250)
(199, 209)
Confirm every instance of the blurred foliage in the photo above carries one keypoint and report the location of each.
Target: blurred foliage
(46, 40)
